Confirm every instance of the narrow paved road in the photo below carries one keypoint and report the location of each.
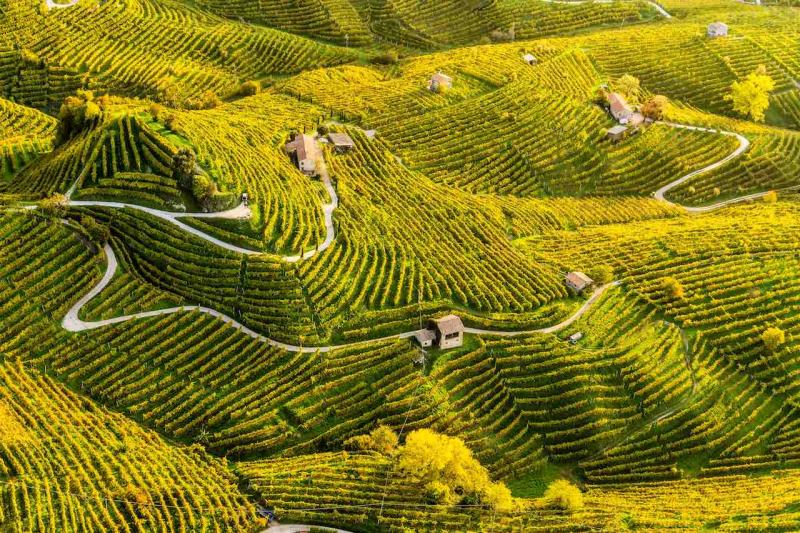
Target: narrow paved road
(299, 528)
(72, 322)
(744, 144)
(52, 5)
(663, 12)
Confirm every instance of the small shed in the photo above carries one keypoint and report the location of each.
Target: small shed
(617, 133)
(530, 59)
(717, 29)
(449, 332)
(370, 134)
(425, 337)
(304, 153)
(619, 108)
(636, 120)
(440, 80)
(578, 281)
(575, 337)
(341, 142)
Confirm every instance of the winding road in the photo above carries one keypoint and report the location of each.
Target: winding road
(72, 322)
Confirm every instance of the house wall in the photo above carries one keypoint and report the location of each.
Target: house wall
(455, 342)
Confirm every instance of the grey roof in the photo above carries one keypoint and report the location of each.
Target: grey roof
(449, 324)
(341, 139)
(425, 335)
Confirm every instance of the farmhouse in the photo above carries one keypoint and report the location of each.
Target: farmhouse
(425, 337)
(440, 80)
(578, 281)
(619, 108)
(341, 142)
(617, 133)
(304, 153)
(717, 29)
(449, 331)
(529, 59)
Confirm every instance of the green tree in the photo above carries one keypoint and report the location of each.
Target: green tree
(773, 338)
(55, 206)
(563, 495)
(602, 274)
(78, 113)
(184, 163)
(750, 97)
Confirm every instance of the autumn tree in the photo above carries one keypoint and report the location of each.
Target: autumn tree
(563, 495)
(750, 97)
(773, 338)
(654, 108)
(381, 439)
(449, 471)
(629, 87)
(672, 288)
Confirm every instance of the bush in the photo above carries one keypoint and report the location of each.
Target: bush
(654, 108)
(771, 197)
(184, 164)
(322, 129)
(207, 100)
(157, 111)
(563, 495)
(78, 113)
(381, 439)
(672, 288)
(602, 274)
(30, 58)
(389, 57)
(54, 206)
(773, 338)
(250, 88)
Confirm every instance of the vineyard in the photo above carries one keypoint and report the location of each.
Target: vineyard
(210, 323)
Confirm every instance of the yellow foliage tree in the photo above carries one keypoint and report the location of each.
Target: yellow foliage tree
(750, 97)
(561, 494)
(447, 467)
(773, 338)
(771, 197)
(672, 288)
(381, 439)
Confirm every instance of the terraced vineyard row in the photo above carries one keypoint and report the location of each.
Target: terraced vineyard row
(67, 464)
(122, 46)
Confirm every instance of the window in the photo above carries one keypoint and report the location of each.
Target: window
(451, 336)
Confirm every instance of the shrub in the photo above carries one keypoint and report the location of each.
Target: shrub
(771, 197)
(54, 206)
(250, 88)
(654, 108)
(207, 100)
(390, 57)
(322, 129)
(30, 58)
(184, 164)
(381, 439)
(672, 288)
(76, 114)
(157, 111)
(563, 495)
(602, 274)
(773, 338)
